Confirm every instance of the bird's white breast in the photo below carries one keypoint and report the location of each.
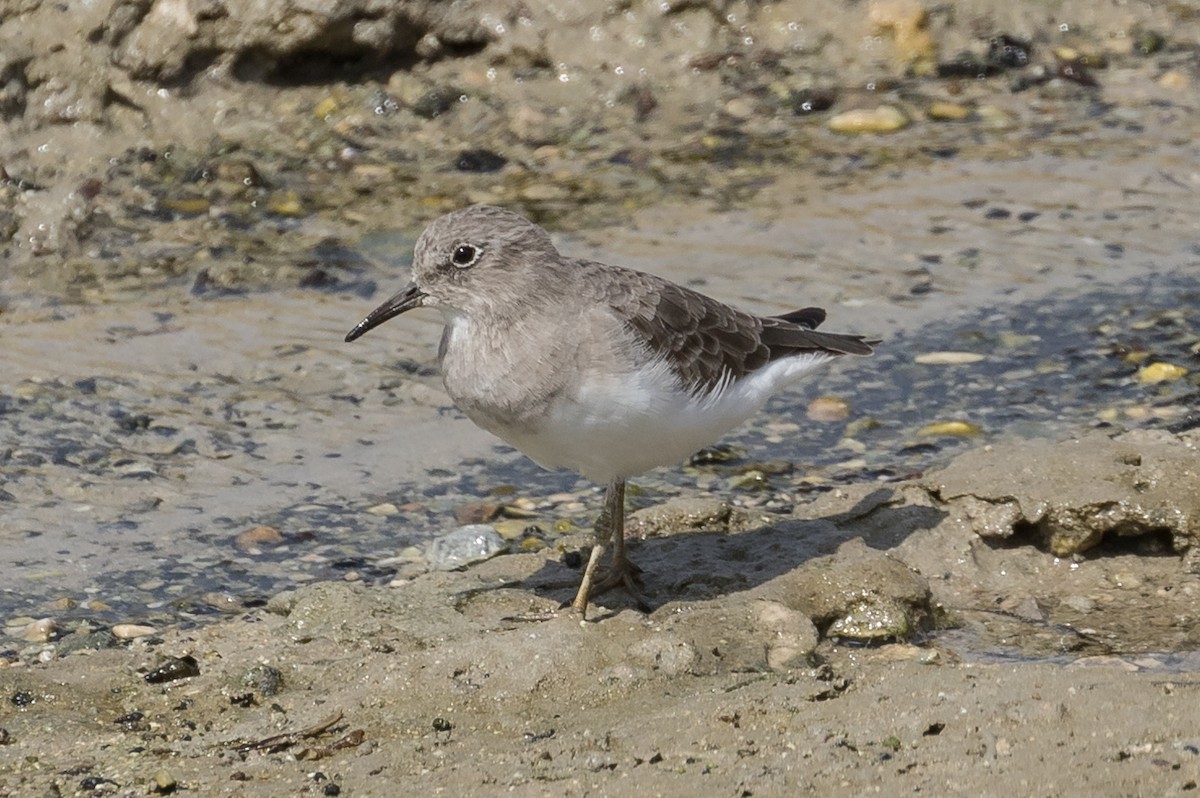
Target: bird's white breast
(621, 424)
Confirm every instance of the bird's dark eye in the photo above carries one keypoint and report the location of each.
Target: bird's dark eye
(464, 255)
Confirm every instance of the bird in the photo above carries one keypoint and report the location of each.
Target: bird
(600, 369)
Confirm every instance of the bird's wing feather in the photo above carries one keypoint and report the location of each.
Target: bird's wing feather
(708, 343)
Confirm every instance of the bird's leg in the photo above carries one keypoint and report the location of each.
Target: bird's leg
(610, 530)
(614, 495)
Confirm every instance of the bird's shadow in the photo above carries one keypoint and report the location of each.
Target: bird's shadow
(702, 565)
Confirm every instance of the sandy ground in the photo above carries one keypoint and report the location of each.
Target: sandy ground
(983, 580)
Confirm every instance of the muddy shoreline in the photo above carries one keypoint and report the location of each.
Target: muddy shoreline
(978, 576)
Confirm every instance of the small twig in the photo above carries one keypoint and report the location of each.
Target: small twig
(282, 741)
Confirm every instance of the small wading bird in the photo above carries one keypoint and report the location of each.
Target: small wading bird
(603, 370)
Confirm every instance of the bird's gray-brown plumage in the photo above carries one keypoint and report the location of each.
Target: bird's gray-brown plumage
(606, 370)
(706, 342)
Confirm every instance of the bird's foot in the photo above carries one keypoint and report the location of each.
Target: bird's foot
(623, 573)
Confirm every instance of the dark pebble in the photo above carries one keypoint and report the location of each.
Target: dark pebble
(479, 161)
(263, 679)
(1008, 51)
(811, 101)
(435, 102)
(967, 66)
(173, 669)
(131, 721)
(1076, 72)
(22, 698)
(243, 700)
(92, 782)
(1148, 42)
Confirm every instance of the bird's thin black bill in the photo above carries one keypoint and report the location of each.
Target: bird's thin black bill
(407, 299)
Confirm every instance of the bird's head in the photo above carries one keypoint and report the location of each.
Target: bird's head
(469, 262)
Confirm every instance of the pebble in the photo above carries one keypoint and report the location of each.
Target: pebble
(84, 640)
(828, 408)
(541, 192)
(467, 544)
(39, 631)
(1175, 80)
(173, 669)
(739, 108)
(263, 679)
(1081, 604)
(947, 358)
(129, 631)
(950, 429)
(164, 782)
(286, 203)
(948, 112)
(793, 637)
(252, 539)
(996, 119)
(908, 23)
(1160, 372)
(385, 509)
(884, 119)
(325, 108)
(511, 528)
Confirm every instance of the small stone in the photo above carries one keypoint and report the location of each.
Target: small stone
(995, 118)
(39, 631)
(908, 23)
(174, 668)
(86, 641)
(948, 112)
(164, 782)
(465, 545)
(479, 161)
(950, 429)
(877, 619)
(739, 108)
(285, 203)
(861, 425)
(129, 631)
(263, 679)
(325, 108)
(253, 539)
(947, 358)
(792, 638)
(385, 509)
(1160, 372)
(884, 119)
(1175, 80)
(828, 409)
(477, 512)
(1081, 604)
(435, 102)
(511, 528)
(187, 206)
(1148, 42)
(541, 192)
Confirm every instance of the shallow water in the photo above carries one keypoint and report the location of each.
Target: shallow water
(141, 439)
